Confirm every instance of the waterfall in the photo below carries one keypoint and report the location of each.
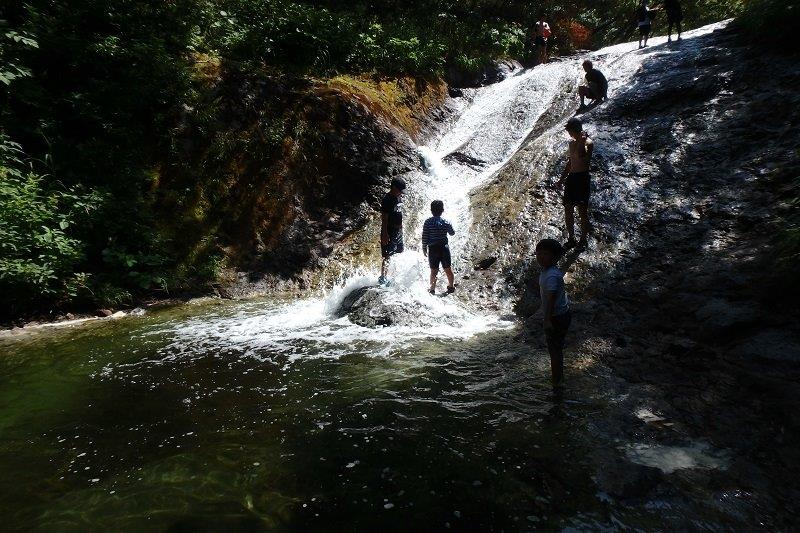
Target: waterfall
(492, 125)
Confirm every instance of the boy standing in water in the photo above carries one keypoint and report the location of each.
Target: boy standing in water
(391, 224)
(555, 306)
(435, 245)
(576, 175)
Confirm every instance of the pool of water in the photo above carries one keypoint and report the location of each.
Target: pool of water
(126, 425)
(162, 423)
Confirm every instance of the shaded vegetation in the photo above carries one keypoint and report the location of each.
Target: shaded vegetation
(114, 123)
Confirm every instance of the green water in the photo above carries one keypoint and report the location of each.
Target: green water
(114, 426)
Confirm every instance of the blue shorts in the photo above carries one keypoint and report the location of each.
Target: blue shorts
(395, 245)
(439, 254)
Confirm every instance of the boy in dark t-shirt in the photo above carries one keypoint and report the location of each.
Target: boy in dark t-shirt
(391, 224)
(674, 17)
(596, 88)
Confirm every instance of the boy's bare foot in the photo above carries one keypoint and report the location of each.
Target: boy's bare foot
(583, 244)
(451, 289)
(570, 244)
(431, 291)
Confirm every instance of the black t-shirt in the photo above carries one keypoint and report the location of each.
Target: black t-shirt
(673, 7)
(595, 76)
(393, 206)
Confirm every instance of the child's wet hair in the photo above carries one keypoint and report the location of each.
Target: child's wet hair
(437, 207)
(551, 245)
(574, 124)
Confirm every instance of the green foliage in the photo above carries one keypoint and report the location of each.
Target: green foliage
(773, 22)
(38, 249)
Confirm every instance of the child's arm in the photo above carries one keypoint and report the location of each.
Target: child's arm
(549, 305)
(425, 237)
(450, 230)
(384, 229)
(589, 144)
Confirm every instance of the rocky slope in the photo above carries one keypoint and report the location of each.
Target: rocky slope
(680, 293)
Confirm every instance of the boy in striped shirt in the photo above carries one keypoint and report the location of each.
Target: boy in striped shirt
(434, 245)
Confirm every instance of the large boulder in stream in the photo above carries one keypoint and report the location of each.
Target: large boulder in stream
(370, 307)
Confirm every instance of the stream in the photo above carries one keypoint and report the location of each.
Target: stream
(277, 415)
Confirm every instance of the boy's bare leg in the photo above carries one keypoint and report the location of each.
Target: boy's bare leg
(555, 347)
(450, 278)
(383, 267)
(569, 220)
(583, 211)
(434, 274)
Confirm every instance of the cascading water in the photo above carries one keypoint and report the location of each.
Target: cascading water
(492, 124)
(490, 128)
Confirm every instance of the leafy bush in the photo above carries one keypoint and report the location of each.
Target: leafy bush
(38, 250)
(772, 22)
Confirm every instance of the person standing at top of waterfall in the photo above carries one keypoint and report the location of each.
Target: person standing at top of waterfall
(555, 305)
(435, 246)
(674, 17)
(596, 88)
(575, 180)
(391, 224)
(644, 15)
(541, 34)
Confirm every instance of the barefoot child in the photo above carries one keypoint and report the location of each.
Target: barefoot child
(435, 247)
(555, 305)
(576, 175)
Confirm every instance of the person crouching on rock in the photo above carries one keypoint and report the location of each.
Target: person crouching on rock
(596, 88)
(555, 305)
(435, 246)
(576, 175)
(391, 224)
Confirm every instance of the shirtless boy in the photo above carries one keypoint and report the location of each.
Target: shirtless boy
(576, 176)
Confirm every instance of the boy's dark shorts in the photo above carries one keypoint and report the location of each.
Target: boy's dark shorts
(394, 246)
(555, 337)
(673, 17)
(577, 189)
(644, 30)
(439, 254)
(539, 41)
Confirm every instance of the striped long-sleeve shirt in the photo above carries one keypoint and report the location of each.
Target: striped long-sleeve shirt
(435, 231)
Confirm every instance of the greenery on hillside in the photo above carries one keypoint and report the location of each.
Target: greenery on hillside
(92, 91)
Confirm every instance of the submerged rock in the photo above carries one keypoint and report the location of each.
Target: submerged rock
(624, 479)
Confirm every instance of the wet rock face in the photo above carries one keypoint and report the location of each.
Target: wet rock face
(279, 170)
(489, 74)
